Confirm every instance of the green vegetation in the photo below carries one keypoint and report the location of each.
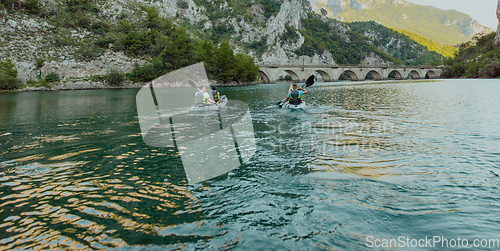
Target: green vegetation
(235, 8)
(221, 32)
(479, 58)
(52, 77)
(271, 7)
(46, 82)
(320, 36)
(290, 34)
(28, 6)
(443, 49)
(405, 49)
(220, 62)
(287, 77)
(8, 76)
(115, 77)
(445, 27)
(39, 83)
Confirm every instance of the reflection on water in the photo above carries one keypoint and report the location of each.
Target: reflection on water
(366, 159)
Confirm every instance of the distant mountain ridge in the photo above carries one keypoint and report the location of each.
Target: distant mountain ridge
(445, 27)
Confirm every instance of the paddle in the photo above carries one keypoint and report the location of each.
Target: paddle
(191, 83)
(309, 82)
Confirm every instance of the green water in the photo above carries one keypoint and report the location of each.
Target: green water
(364, 160)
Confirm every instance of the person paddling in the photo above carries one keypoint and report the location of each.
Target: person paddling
(295, 95)
(202, 98)
(215, 95)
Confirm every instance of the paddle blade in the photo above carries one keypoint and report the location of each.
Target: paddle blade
(310, 81)
(191, 83)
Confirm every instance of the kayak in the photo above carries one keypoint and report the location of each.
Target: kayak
(215, 107)
(302, 105)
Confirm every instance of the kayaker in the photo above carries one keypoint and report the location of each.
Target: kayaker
(202, 98)
(215, 95)
(295, 96)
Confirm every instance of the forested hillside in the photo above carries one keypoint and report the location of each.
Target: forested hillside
(443, 49)
(396, 44)
(479, 58)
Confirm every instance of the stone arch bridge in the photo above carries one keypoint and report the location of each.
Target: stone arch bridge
(299, 73)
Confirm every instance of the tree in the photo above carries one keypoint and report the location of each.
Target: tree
(246, 70)
(8, 76)
(225, 61)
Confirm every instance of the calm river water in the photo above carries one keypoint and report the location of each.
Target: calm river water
(365, 162)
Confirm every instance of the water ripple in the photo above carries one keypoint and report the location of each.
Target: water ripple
(367, 159)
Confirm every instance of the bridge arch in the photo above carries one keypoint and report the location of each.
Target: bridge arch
(324, 75)
(430, 74)
(375, 75)
(264, 77)
(351, 75)
(395, 74)
(414, 75)
(295, 77)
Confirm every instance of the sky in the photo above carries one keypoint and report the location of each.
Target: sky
(484, 11)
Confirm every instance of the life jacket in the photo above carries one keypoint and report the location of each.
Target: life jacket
(215, 96)
(295, 98)
(200, 98)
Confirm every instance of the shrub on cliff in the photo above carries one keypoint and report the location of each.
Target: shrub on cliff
(115, 77)
(52, 77)
(8, 76)
(40, 83)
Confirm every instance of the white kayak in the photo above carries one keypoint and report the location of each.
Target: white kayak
(215, 107)
(302, 105)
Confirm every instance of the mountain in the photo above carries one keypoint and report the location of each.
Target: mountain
(443, 49)
(83, 39)
(445, 27)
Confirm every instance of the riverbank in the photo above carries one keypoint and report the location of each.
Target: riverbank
(90, 85)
